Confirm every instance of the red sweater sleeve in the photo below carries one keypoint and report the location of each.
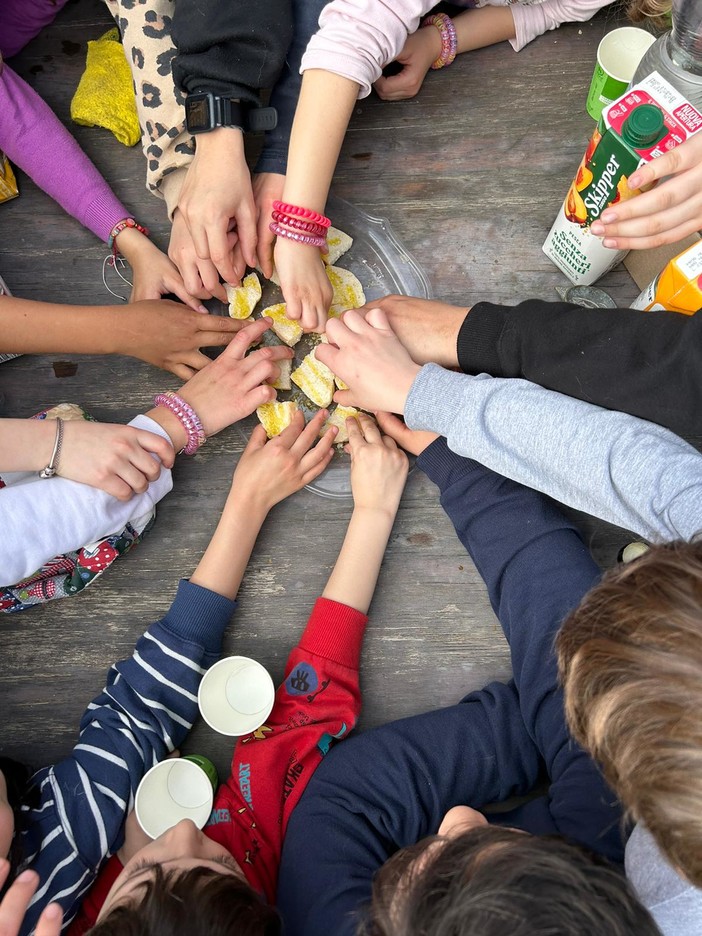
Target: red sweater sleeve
(318, 703)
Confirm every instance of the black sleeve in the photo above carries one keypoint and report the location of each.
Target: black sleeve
(234, 48)
(643, 363)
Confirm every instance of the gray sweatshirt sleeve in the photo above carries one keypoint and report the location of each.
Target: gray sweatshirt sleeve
(611, 465)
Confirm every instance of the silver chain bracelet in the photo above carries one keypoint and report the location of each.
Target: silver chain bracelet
(52, 467)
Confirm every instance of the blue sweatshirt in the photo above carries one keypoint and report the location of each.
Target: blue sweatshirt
(390, 787)
(75, 811)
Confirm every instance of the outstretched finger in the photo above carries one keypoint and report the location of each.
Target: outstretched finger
(15, 902)
(246, 337)
(369, 428)
(289, 436)
(50, 922)
(310, 433)
(257, 439)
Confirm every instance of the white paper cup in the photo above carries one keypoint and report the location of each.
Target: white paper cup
(236, 696)
(174, 789)
(618, 57)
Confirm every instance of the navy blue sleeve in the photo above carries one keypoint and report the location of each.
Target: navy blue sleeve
(537, 569)
(274, 155)
(388, 788)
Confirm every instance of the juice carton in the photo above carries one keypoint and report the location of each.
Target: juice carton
(647, 121)
(678, 287)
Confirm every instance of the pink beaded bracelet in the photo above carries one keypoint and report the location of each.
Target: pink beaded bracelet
(449, 39)
(311, 239)
(187, 417)
(305, 213)
(122, 226)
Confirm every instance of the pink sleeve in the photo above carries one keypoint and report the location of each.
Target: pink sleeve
(357, 38)
(534, 19)
(34, 139)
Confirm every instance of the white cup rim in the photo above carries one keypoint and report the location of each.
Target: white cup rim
(155, 781)
(218, 712)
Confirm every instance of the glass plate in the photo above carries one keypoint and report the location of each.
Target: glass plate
(383, 266)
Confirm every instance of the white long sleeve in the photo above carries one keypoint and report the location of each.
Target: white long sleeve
(41, 519)
(534, 19)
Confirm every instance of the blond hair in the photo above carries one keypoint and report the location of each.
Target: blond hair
(630, 660)
(655, 12)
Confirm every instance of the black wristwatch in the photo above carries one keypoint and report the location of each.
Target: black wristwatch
(205, 111)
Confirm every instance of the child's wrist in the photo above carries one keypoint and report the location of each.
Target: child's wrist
(247, 496)
(170, 423)
(129, 242)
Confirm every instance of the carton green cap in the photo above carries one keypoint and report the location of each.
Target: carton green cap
(643, 125)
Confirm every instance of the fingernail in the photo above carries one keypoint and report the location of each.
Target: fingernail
(25, 877)
(53, 911)
(201, 308)
(597, 228)
(634, 180)
(609, 242)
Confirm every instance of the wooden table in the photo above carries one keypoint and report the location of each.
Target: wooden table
(470, 174)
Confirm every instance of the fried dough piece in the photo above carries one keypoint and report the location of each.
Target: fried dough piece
(243, 299)
(338, 418)
(348, 292)
(275, 416)
(283, 381)
(288, 330)
(338, 243)
(315, 380)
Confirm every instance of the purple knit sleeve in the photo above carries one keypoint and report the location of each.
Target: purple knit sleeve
(22, 20)
(34, 139)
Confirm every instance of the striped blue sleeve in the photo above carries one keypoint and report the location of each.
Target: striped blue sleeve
(78, 807)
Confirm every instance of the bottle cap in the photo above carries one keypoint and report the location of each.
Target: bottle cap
(643, 125)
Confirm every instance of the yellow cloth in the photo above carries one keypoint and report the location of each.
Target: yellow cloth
(105, 95)
(8, 184)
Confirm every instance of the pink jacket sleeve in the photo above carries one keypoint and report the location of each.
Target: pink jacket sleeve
(34, 139)
(533, 19)
(357, 38)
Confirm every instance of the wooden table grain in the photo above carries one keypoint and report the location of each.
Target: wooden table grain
(470, 175)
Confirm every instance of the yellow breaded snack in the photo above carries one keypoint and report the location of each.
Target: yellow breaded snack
(338, 243)
(338, 418)
(315, 380)
(348, 292)
(283, 382)
(243, 299)
(274, 417)
(288, 330)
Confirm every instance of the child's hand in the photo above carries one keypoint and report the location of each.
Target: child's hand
(304, 283)
(16, 901)
(116, 459)
(199, 274)
(378, 467)
(426, 327)
(216, 200)
(412, 440)
(421, 50)
(153, 274)
(365, 353)
(232, 386)
(668, 212)
(267, 188)
(169, 335)
(271, 470)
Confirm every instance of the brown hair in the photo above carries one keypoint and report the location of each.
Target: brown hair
(655, 12)
(630, 659)
(490, 881)
(199, 902)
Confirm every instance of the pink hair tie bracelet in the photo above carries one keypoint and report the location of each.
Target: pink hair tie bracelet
(187, 417)
(449, 39)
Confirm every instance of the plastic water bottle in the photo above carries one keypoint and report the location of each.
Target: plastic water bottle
(677, 54)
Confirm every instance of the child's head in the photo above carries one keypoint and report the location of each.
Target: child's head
(655, 12)
(183, 882)
(489, 881)
(630, 658)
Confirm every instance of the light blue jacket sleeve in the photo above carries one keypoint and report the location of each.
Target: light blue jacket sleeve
(621, 469)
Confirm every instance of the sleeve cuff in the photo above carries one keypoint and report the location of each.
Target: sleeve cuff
(199, 615)
(479, 337)
(335, 631)
(444, 467)
(169, 189)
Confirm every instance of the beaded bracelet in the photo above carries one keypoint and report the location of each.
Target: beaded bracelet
(305, 213)
(308, 226)
(122, 226)
(449, 39)
(187, 417)
(311, 239)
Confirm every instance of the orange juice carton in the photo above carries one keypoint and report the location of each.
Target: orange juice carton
(678, 287)
(645, 122)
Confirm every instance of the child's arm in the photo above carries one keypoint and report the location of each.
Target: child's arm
(319, 701)
(151, 699)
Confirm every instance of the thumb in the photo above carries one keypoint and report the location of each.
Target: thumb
(378, 319)
(258, 439)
